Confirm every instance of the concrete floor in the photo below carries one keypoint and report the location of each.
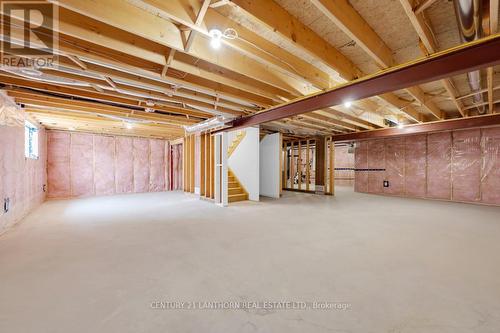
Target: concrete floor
(401, 265)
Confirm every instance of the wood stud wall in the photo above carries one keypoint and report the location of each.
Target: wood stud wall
(206, 164)
(295, 164)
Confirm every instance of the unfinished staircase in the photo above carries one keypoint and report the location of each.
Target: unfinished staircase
(236, 192)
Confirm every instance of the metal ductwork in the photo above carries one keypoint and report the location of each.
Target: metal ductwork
(470, 15)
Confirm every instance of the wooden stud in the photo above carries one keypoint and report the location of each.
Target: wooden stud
(292, 166)
(332, 167)
(212, 167)
(299, 165)
(308, 167)
(192, 163)
(202, 164)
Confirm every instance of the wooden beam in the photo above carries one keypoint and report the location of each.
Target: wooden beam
(168, 61)
(110, 82)
(489, 79)
(462, 59)
(429, 105)
(446, 125)
(219, 3)
(425, 34)
(423, 5)
(198, 21)
(281, 22)
(77, 61)
(156, 28)
(348, 19)
(494, 16)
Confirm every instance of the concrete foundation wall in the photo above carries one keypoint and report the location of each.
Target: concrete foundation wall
(83, 165)
(461, 166)
(22, 180)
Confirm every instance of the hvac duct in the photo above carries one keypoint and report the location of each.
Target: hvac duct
(469, 14)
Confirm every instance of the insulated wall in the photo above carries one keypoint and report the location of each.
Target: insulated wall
(460, 166)
(82, 165)
(22, 180)
(344, 165)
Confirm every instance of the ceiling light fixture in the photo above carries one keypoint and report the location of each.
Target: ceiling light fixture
(216, 38)
(149, 110)
(128, 125)
(401, 125)
(347, 104)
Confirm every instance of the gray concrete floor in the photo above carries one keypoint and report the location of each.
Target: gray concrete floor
(402, 265)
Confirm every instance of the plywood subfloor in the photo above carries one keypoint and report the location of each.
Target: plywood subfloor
(403, 265)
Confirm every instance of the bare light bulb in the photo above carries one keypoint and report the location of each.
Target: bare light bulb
(128, 125)
(347, 104)
(216, 38)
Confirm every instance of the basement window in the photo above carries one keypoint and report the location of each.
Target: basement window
(30, 141)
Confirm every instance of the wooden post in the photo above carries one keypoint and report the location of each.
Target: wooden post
(212, 167)
(320, 173)
(332, 167)
(281, 163)
(191, 162)
(285, 165)
(299, 165)
(308, 167)
(184, 169)
(202, 164)
(292, 165)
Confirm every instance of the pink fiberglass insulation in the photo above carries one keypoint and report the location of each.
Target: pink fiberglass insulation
(345, 161)
(58, 157)
(82, 164)
(466, 165)
(415, 165)
(376, 161)
(461, 165)
(490, 177)
(157, 171)
(141, 165)
(124, 162)
(439, 165)
(394, 166)
(177, 176)
(104, 165)
(22, 180)
(360, 163)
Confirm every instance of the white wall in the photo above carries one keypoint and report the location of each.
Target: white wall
(270, 173)
(245, 161)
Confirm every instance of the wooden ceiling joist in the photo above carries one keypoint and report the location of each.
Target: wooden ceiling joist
(426, 36)
(459, 60)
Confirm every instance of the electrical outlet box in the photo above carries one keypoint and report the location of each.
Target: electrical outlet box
(386, 183)
(6, 205)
